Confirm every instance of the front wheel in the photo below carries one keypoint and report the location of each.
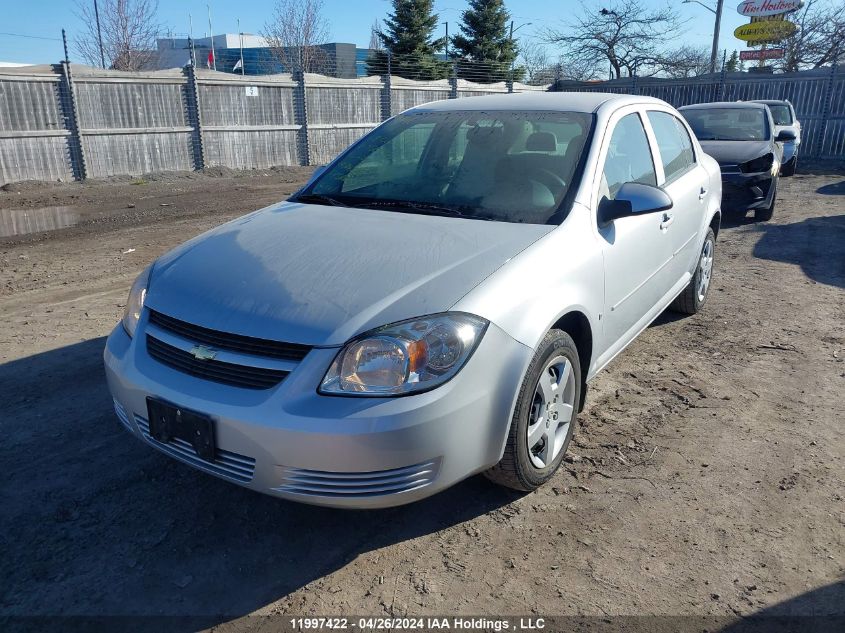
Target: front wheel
(544, 418)
(765, 214)
(789, 168)
(695, 294)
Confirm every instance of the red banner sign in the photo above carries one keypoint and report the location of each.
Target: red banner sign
(768, 53)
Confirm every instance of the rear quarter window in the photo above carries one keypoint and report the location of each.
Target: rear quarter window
(673, 143)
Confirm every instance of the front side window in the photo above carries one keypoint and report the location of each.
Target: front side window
(509, 166)
(628, 157)
(728, 124)
(674, 144)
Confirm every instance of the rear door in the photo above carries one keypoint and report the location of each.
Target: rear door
(686, 182)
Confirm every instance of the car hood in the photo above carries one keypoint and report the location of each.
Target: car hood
(735, 152)
(318, 275)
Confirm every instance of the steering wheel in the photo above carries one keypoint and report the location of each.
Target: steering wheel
(549, 179)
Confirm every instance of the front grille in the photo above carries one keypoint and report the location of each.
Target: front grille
(323, 483)
(226, 464)
(227, 373)
(232, 342)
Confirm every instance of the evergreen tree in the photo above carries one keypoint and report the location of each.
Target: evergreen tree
(484, 45)
(733, 65)
(407, 39)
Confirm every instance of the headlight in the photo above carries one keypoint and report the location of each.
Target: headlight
(406, 357)
(764, 163)
(135, 302)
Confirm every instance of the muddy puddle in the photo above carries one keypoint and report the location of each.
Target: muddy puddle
(23, 221)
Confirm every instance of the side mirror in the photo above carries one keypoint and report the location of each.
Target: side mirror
(633, 198)
(785, 135)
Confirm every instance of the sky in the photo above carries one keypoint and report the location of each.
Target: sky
(30, 32)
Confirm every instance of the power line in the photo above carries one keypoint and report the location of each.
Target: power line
(33, 37)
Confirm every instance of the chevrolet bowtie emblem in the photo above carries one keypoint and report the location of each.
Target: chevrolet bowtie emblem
(201, 352)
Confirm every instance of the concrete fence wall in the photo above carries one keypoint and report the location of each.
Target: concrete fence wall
(68, 122)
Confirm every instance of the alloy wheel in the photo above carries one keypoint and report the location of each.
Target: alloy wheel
(705, 270)
(552, 411)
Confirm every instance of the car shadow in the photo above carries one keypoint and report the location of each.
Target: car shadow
(821, 610)
(734, 219)
(817, 245)
(96, 523)
(833, 189)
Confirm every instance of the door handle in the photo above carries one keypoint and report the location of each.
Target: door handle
(702, 193)
(668, 218)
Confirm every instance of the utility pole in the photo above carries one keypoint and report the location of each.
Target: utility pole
(714, 52)
(447, 40)
(99, 35)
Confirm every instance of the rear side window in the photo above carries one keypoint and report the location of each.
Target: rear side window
(781, 114)
(628, 157)
(674, 144)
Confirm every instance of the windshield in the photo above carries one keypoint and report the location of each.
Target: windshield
(507, 166)
(728, 124)
(781, 114)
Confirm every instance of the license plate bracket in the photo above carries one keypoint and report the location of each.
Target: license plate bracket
(169, 421)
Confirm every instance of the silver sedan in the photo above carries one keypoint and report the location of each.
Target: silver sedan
(429, 306)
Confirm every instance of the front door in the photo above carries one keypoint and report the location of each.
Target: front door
(636, 249)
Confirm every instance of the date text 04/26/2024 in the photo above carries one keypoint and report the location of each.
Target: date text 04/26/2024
(417, 624)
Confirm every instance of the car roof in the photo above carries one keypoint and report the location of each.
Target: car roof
(586, 102)
(751, 105)
(772, 101)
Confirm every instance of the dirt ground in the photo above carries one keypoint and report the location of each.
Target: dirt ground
(707, 476)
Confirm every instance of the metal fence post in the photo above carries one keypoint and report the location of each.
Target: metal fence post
(826, 108)
(301, 118)
(453, 82)
(192, 101)
(386, 96)
(71, 112)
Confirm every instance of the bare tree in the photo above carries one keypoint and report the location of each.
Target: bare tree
(375, 40)
(819, 39)
(294, 33)
(534, 58)
(686, 61)
(129, 29)
(627, 36)
(578, 70)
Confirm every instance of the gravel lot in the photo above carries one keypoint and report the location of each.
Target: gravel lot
(707, 475)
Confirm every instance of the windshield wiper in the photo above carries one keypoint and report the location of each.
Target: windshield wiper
(425, 208)
(318, 198)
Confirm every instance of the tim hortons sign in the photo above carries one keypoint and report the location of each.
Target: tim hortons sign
(759, 8)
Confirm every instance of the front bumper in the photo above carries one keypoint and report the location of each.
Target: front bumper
(744, 192)
(350, 452)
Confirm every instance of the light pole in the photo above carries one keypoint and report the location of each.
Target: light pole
(513, 47)
(446, 24)
(714, 52)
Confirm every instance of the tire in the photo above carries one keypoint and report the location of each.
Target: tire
(765, 214)
(789, 168)
(524, 467)
(693, 297)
